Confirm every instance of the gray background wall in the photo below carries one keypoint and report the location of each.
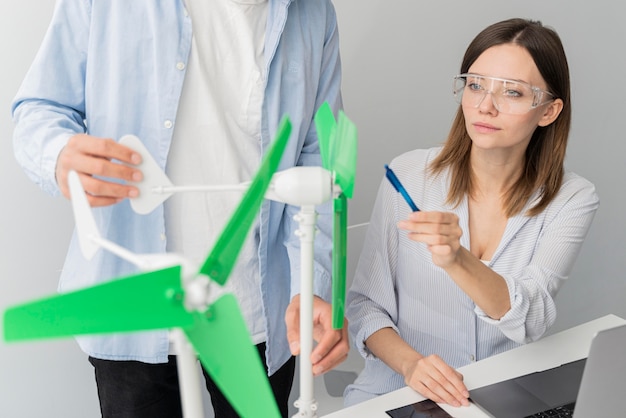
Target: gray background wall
(399, 57)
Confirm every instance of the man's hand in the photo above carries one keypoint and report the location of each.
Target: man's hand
(90, 156)
(332, 344)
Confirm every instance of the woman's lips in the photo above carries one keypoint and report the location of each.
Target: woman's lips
(485, 127)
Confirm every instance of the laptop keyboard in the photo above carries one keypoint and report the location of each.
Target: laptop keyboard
(564, 411)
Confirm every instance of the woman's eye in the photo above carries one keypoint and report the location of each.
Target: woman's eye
(512, 93)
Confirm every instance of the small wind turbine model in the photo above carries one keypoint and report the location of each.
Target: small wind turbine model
(299, 186)
(171, 295)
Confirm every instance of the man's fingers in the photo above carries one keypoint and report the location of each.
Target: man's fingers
(96, 201)
(96, 160)
(104, 148)
(106, 190)
(97, 166)
(332, 345)
(332, 348)
(292, 320)
(337, 355)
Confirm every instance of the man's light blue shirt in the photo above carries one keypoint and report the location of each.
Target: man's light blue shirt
(115, 67)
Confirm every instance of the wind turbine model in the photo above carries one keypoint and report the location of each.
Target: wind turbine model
(171, 295)
(338, 147)
(299, 186)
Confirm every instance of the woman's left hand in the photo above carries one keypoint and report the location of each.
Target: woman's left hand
(440, 231)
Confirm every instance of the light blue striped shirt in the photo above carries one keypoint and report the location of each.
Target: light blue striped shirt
(116, 67)
(398, 286)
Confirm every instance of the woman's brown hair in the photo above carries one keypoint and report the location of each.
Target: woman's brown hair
(543, 166)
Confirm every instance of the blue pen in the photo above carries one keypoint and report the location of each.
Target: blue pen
(391, 176)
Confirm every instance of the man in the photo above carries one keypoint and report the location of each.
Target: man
(204, 84)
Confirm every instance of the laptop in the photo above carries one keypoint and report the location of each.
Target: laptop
(591, 387)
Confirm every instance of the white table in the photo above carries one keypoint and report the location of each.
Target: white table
(554, 350)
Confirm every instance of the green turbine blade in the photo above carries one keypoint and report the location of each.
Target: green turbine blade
(223, 344)
(326, 126)
(343, 163)
(147, 301)
(221, 260)
(343, 154)
(340, 256)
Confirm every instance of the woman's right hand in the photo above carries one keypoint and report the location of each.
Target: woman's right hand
(434, 379)
(93, 158)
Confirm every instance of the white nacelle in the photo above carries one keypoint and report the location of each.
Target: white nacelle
(301, 186)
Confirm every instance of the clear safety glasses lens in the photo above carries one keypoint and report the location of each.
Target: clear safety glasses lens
(508, 96)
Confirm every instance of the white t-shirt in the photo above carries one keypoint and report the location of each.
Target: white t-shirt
(217, 139)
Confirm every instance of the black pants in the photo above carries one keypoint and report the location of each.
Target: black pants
(132, 389)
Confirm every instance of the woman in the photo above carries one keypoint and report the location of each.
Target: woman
(475, 273)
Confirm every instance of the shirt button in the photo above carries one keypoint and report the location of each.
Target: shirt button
(180, 66)
(162, 237)
(168, 124)
(472, 357)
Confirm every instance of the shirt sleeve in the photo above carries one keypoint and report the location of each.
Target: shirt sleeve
(533, 290)
(372, 302)
(50, 105)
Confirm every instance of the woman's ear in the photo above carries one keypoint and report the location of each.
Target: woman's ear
(552, 111)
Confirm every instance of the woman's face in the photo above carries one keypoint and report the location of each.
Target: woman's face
(487, 127)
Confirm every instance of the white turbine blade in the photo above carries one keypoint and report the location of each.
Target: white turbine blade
(86, 228)
(90, 240)
(154, 179)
